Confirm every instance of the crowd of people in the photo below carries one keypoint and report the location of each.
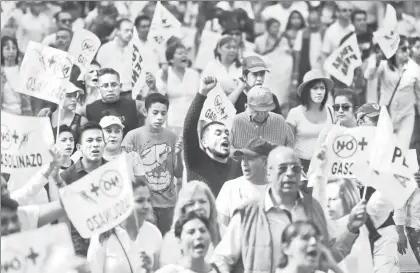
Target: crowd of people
(212, 196)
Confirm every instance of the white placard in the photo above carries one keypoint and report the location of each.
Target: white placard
(100, 200)
(387, 36)
(205, 53)
(25, 142)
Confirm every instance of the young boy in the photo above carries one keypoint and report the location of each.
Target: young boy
(161, 155)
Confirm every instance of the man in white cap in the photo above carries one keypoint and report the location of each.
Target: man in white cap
(258, 122)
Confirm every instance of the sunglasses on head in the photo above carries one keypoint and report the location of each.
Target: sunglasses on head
(345, 107)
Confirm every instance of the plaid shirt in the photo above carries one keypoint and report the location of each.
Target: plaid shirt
(274, 130)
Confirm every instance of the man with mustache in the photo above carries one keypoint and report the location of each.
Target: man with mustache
(211, 164)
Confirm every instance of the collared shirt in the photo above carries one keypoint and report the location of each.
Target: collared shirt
(112, 55)
(274, 129)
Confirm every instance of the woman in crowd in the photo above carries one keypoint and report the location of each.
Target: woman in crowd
(90, 85)
(303, 251)
(400, 88)
(193, 232)
(226, 67)
(308, 119)
(294, 24)
(113, 136)
(12, 101)
(131, 247)
(68, 114)
(194, 196)
(179, 83)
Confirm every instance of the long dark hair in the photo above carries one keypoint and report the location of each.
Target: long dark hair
(392, 62)
(305, 96)
(224, 40)
(4, 41)
(289, 21)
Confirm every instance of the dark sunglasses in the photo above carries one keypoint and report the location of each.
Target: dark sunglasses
(345, 107)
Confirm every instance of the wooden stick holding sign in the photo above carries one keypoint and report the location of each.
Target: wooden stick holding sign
(364, 192)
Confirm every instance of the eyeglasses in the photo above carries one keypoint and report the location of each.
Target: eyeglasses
(112, 84)
(345, 107)
(295, 168)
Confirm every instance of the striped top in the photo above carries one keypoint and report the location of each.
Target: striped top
(274, 130)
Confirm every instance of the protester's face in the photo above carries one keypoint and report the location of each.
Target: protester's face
(92, 144)
(303, 250)
(199, 203)
(9, 52)
(345, 11)
(317, 92)
(314, 21)
(274, 29)
(296, 20)
(284, 172)
(258, 116)
(335, 206)
(70, 101)
(360, 22)
(255, 78)
(403, 53)
(157, 115)
(180, 58)
(343, 109)
(63, 40)
(253, 167)
(9, 222)
(363, 120)
(113, 137)
(216, 140)
(142, 202)
(125, 32)
(143, 29)
(195, 239)
(64, 20)
(110, 87)
(229, 51)
(91, 75)
(65, 143)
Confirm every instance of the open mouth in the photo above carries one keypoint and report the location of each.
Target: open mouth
(313, 253)
(225, 144)
(199, 246)
(184, 60)
(95, 152)
(69, 149)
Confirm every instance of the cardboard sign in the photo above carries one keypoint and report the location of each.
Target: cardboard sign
(342, 62)
(136, 63)
(345, 146)
(387, 37)
(100, 200)
(205, 53)
(26, 252)
(218, 107)
(25, 142)
(163, 26)
(83, 49)
(43, 71)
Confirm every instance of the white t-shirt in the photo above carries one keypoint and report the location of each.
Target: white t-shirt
(111, 254)
(28, 217)
(333, 36)
(227, 78)
(307, 132)
(235, 193)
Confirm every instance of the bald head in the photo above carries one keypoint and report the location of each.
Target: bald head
(282, 155)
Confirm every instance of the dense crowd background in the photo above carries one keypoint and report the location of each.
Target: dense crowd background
(267, 57)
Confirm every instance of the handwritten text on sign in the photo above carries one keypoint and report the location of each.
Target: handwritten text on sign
(218, 107)
(25, 252)
(345, 147)
(100, 200)
(83, 48)
(43, 71)
(25, 142)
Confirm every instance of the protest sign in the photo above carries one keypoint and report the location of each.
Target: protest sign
(342, 62)
(345, 146)
(100, 200)
(136, 63)
(25, 142)
(218, 107)
(205, 53)
(43, 71)
(26, 252)
(163, 26)
(83, 49)
(387, 37)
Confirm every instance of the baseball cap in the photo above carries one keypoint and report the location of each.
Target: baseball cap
(110, 120)
(255, 147)
(260, 98)
(369, 109)
(254, 64)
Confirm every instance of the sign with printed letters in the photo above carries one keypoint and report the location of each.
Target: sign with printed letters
(83, 49)
(26, 252)
(100, 200)
(25, 142)
(342, 62)
(43, 71)
(137, 78)
(387, 37)
(218, 107)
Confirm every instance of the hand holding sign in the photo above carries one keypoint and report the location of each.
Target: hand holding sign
(357, 217)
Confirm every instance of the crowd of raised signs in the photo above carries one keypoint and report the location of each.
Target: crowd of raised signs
(210, 136)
